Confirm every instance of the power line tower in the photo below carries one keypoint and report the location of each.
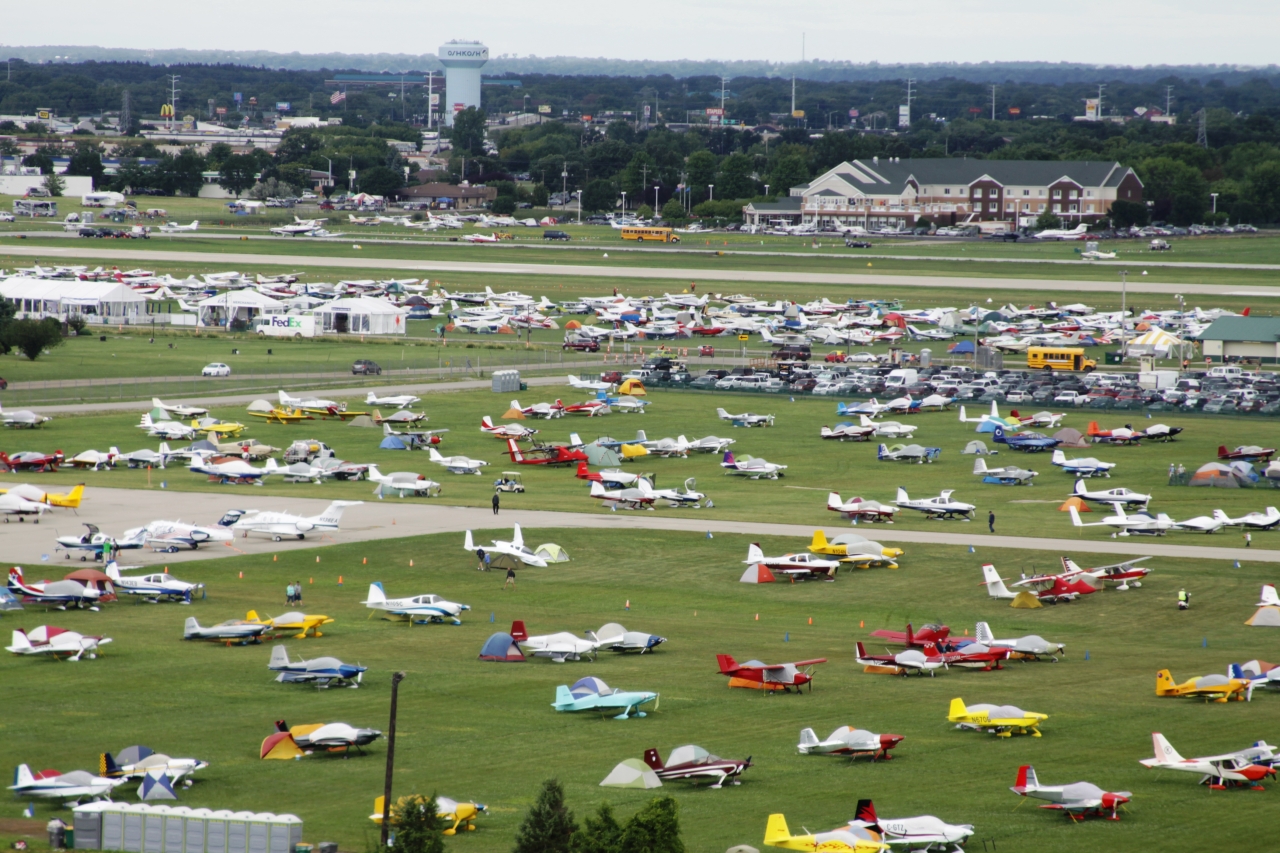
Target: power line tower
(1202, 135)
(173, 97)
(993, 102)
(1168, 100)
(910, 95)
(126, 113)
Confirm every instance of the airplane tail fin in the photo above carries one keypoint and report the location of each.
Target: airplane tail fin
(20, 642)
(819, 540)
(957, 709)
(516, 455)
(866, 812)
(1026, 779)
(22, 776)
(469, 544)
(724, 416)
(597, 490)
(583, 471)
(107, 766)
(1075, 517)
(376, 594)
(833, 501)
(518, 539)
(808, 738)
(1164, 683)
(563, 696)
(333, 512)
(882, 452)
(1080, 487)
(575, 440)
(371, 398)
(1059, 458)
(518, 631)
(433, 454)
(963, 418)
(73, 498)
(1269, 595)
(1093, 428)
(279, 657)
(902, 493)
(994, 583)
(755, 555)
(998, 437)
(862, 652)
(776, 831)
(653, 760)
(982, 633)
(727, 664)
(728, 458)
(1164, 749)
(1219, 515)
(979, 465)
(486, 422)
(190, 627)
(1222, 451)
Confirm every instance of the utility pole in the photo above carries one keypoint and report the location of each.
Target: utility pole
(1202, 132)
(1168, 100)
(564, 179)
(910, 95)
(173, 97)
(391, 758)
(1101, 86)
(126, 113)
(993, 101)
(431, 92)
(725, 80)
(1124, 325)
(793, 95)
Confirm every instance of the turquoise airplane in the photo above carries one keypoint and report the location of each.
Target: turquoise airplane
(591, 693)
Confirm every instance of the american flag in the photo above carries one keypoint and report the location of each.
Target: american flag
(337, 97)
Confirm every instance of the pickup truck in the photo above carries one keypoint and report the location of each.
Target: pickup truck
(1071, 398)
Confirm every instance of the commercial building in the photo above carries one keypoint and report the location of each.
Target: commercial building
(453, 197)
(1238, 338)
(998, 194)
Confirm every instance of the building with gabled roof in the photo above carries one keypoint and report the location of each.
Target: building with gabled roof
(995, 194)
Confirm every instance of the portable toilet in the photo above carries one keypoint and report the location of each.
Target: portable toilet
(194, 831)
(216, 831)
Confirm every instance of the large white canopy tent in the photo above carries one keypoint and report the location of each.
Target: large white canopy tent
(111, 301)
(237, 306)
(362, 315)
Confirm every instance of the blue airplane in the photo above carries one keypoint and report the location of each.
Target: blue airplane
(324, 672)
(590, 693)
(1031, 442)
(154, 587)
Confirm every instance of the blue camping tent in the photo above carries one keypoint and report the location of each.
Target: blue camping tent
(156, 786)
(501, 647)
(393, 442)
(962, 348)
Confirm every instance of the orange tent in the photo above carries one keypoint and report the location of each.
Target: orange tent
(1073, 501)
(573, 324)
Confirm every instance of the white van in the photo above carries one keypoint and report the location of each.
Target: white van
(900, 378)
(1226, 371)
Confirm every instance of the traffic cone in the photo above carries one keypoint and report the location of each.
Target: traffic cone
(810, 620)
(757, 617)
(339, 580)
(966, 632)
(311, 580)
(317, 558)
(364, 561)
(627, 606)
(411, 564)
(1086, 654)
(242, 575)
(275, 557)
(860, 624)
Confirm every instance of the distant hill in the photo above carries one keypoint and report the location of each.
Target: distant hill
(817, 70)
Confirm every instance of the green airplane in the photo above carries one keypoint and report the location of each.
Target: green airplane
(591, 693)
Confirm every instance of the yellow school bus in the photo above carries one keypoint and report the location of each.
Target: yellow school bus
(1059, 358)
(660, 235)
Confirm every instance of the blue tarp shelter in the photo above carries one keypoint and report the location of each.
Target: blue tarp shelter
(501, 647)
(393, 442)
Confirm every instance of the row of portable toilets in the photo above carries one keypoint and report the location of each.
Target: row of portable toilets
(145, 828)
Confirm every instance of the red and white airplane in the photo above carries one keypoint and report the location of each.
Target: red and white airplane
(930, 634)
(693, 762)
(590, 408)
(770, 677)
(1039, 419)
(1119, 575)
(637, 498)
(1078, 800)
(848, 741)
(540, 410)
(514, 431)
(899, 663)
(1219, 772)
(1050, 588)
(796, 566)
(861, 509)
(59, 594)
(552, 454)
(48, 640)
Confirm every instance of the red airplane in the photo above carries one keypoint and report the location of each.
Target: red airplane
(547, 454)
(1119, 574)
(971, 656)
(706, 331)
(929, 634)
(30, 460)
(1063, 587)
(590, 408)
(1247, 452)
(693, 762)
(771, 677)
(1119, 435)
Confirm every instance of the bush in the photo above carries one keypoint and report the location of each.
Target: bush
(32, 337)
(417, 825)
(76, 323)
(1048, 219)
(644, 211)
(549, 826)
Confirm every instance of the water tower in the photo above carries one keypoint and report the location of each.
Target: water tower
(462, 61)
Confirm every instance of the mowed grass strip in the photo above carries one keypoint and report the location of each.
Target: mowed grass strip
(486, 731)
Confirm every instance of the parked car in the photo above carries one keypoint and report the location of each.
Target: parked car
(216, 369)
(704, 382)
(582, 345)
(365, 367)
(562, 236)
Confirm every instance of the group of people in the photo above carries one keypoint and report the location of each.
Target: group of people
(293, 593)
(1177, 475)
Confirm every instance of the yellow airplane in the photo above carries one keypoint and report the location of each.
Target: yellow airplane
(459, 816)
(1219, 688)
(846, 839)
(326, 413)
(820, 545)
(302, 622)
(283, 416)
(1002, 720)
(67, 500)
(250, 448)
(218, 428)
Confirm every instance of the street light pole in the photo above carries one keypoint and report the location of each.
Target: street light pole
(1214, 196)
(1124, 282)
(391, 758)
(579, 207)
(624, 201)
(711, 192)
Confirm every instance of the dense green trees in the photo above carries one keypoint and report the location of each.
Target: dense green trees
(31, 337)
(549, 827)
(468, 131)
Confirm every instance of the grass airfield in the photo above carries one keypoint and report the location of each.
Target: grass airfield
(485, 731)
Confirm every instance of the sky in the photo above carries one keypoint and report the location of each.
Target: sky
(1112, 32)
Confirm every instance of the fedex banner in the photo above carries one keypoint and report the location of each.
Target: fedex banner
(287, 326)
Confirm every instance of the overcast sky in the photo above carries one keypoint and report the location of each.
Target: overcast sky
(1122, 32)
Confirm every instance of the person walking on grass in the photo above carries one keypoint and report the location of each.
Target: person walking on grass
(495, 503)
(288, 594)
(511, 577)
(480, 557)
(297, 592)
(991, 520)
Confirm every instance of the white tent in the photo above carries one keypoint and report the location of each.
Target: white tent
(1267, 616)
(40, 297)
(362, 315)
(632, 773)
(1156, 341)
(237, 306)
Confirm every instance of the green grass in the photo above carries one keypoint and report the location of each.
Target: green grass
(816, 466)
(486, 731)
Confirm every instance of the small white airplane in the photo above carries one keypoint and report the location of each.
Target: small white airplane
(1030, 647)
(539, 410)
(941, 507)
(175, 228)
(419, 608)
(234, 470)
(1118, 574)
(1045, 419)
(677, 497)
(861, 508)
(746, 419)
(1245, 768)
(481, 238)
(174, 768)
(16, 504)
(905, 663)
(74, 785)
(1269, 596)
(456, 464)
(914, 833)
(402, 483)
(516, 431)
(929, 334)
(793, 564)
(1077, 798)
(22, 418)
(1076, 233)
(560, 647)
(48, 640)
(152, 587)
(993, 415)
(94, 460)
(324, 672)
(711, 444)
(290, 402)
(516, 548)
(846, 432)
(751, 466)
(889, 429)
(1253, 520)
(169, 535)
(1095, 255)
(399, 401)
(1199, 524)
(908, 453)
(589, 384)
(179, 409)
(1142, 522)
(1086, 467)
(1007, 475)
(281, 524)
(1128, 497)
(848, 741)
(633, 498)
(174, 430)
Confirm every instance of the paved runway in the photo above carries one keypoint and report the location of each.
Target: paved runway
(59, 255)
(115, 510)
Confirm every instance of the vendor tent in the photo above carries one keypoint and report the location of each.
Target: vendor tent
(1267, 616)
(1070, 438)
(961, 348)
(1156, 341)
(552, 553)
(236, 307)
(362, 315)
(1217, 475)
(632, 773)
(109, 301)
(758, 573)
(501, 647)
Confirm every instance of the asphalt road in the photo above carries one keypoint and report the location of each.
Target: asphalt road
(115, 510)
(57, 255)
